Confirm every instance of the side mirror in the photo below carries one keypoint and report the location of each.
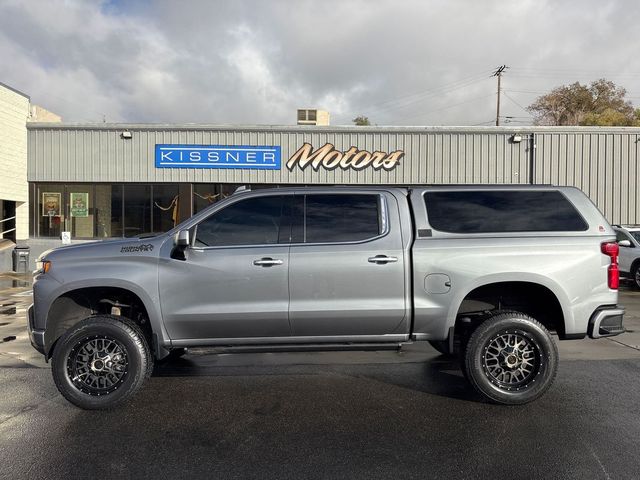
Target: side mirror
(624, 243)
(180, 242)
(182, 239)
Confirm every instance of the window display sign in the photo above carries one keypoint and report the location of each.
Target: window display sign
(51, 204)
(79, 204)
(218, 156)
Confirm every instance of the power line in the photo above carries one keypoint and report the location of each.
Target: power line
(446, 107)
(408, 100)
(509, 97)
(488, 122)
(531, 71)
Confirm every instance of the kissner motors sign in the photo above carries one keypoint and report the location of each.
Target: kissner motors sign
(269, 158)
(217, 156)
(329, 158)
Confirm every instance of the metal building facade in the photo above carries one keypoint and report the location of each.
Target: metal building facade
(603, 162)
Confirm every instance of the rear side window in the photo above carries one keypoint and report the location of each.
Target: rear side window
(254, 221)
(340, 218)
(502, 211)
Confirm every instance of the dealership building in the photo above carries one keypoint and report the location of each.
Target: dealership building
(100, 181)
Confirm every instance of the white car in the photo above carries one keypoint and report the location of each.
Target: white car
(628, 238)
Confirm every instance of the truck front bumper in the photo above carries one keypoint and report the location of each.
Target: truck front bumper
(606, 322)
(35, 336)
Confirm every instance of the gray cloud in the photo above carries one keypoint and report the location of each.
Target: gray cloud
(407, 63)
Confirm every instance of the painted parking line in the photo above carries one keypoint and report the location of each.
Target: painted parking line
(23, 294)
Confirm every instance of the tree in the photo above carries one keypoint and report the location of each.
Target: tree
(361, 121)
(600, 103)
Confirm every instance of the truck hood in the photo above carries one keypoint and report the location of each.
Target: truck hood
(149, 246)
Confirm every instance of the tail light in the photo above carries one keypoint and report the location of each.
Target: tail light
(613, 273)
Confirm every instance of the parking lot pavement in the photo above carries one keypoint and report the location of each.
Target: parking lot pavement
(323, 415)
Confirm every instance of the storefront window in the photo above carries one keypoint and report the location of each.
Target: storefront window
(118, 210)
(137, 207)
(51, 210)
(80, 201)
(108, 205)
(205, 194)
(166, 207)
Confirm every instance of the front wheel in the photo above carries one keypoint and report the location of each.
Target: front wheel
(100, 362)
(511, 359)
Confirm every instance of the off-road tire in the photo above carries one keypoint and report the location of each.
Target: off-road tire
(487, 364)
(136, 361)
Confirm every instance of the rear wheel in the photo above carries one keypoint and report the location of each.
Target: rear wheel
(100, 362)
(511, 359)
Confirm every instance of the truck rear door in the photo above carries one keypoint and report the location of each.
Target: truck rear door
(347, 266)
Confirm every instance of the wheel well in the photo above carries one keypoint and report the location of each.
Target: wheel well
(533, 299)
(76, 305)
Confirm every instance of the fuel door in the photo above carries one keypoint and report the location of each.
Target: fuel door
(437, 283)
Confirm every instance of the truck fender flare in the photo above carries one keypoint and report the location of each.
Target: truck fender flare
(54, 330)
(521, 277)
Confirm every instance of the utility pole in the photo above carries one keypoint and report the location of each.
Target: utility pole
(498, 73)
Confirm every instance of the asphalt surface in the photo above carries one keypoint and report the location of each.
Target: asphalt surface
(407, 414)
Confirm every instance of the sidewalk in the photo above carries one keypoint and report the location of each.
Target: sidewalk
(15, 298)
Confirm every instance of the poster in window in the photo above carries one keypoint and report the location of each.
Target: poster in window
(51, 204)
(79, 204)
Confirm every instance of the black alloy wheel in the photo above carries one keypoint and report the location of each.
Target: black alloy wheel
(101, 361)
(511, 359)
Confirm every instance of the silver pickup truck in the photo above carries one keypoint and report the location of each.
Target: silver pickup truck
(488, 273)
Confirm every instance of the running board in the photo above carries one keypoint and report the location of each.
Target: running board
(318, 347)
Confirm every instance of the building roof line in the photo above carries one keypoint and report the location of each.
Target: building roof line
(15, 90)
(324, 129)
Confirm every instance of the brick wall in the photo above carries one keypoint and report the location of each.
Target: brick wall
(14, 110)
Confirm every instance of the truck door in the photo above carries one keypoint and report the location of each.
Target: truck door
(234, 282)
(346, 266)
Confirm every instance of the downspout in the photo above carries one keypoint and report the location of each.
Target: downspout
(532, 158)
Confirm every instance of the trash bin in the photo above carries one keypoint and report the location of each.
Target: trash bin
(21, 259)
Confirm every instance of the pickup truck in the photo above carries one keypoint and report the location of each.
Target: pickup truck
(488, 273)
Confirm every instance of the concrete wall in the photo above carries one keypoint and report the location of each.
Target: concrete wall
(41, 114)
(14, 111)
(6, 258)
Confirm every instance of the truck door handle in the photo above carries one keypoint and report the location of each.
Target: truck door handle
(382, 259)
(267, 262)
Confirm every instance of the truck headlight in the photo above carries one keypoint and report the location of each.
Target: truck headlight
(42, 266)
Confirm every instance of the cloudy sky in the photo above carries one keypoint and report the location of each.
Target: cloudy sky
(411, 62)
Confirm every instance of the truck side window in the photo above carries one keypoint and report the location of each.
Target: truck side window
(341, 217)
(495, 211)
(254, 221)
